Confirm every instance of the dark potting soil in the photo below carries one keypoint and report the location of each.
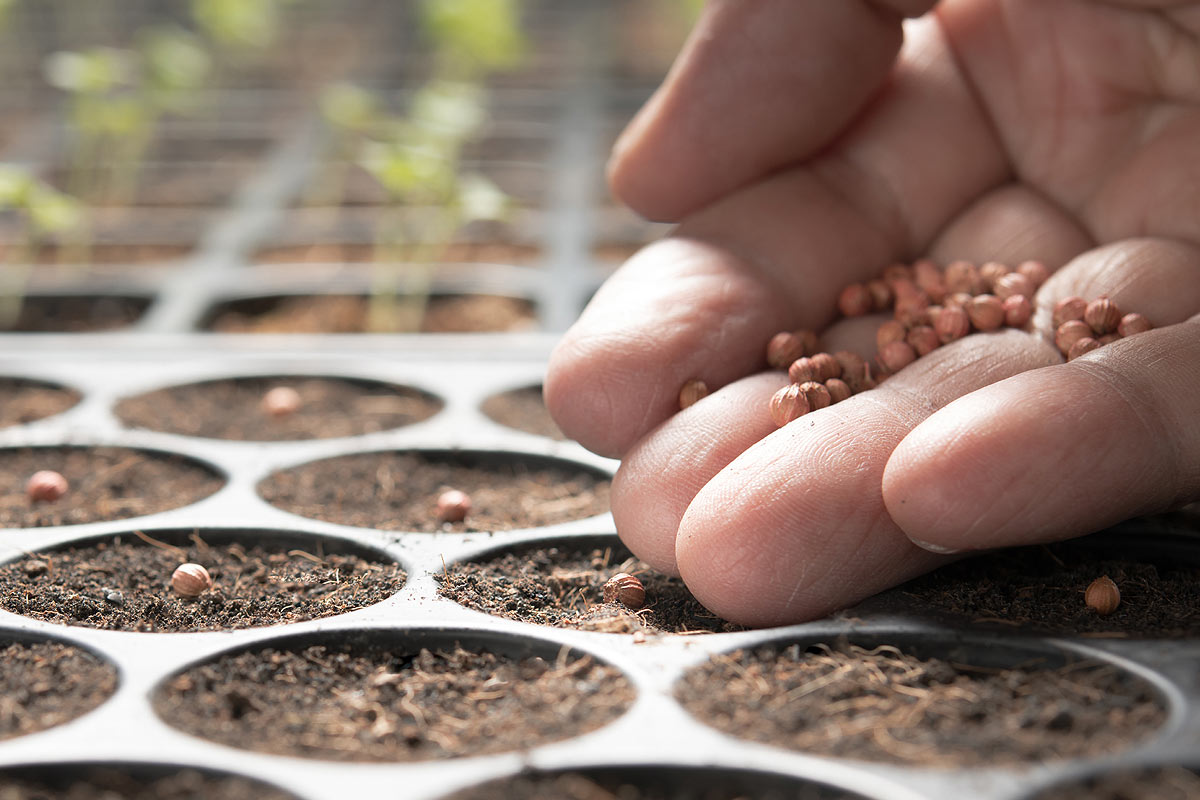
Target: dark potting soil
(124, 584)
(44, 684)
(110, 783)
(1041, 589)
(77, 314)
(563, 587)
(105, 483)
(1157, 783)
(24, 401)
(523, 409)
(109, 253)
(348, 314)
(373, 703)
(884, 705)
(232, 409)
(398, 491)
(651, 784)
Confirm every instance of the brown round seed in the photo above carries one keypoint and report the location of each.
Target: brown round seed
(881, 294)
(953, 323)
(784, 348)
(1069, 333)
(929, 279)
(1037, 272)
(962, 277)
(1102, 315)
(855, 300)
(851, 363)
(816, 394)
(1132, 324)
(826, 366)
(838, 390)
(45, 486)
(801, 370)
(1103, 596)
(986, 312)
(1067, 309)
(191, 580)
(923, 340)
(1017, 311)
(896, 356)
(625, 589)
(957, 300)
(453, 506)
(890, 331)
(991, 272)
(692, 392)
(1012, 284)
(1082, 347)
(282, 401)
(787, 404)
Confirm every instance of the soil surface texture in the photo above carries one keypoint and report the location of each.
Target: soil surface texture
(398, 491)
(1041, 589)
(660, 783)
(884, 705)
(76, 314)
(105, 483)
(105, 783)
(1160, 783)
(233, 409)
(372, 703)
(44, 684)
(124, 584)
(563, 587)
(523, 409)
(24, 401)
(466, 313)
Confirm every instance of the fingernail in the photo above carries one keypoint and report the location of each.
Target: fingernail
(935, 548)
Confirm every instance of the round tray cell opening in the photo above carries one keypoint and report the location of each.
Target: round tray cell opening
(522, 409)
(439, 313)
(399, 491)
(278, 408)
(652, 783)
(560, 583)
(1166, 782)
(76, 781)
(45, 683)
(964, 704)
(74, 313)
(381, 697)
(1043, 589)
(259, 578)
(23, 401)
(103, 483)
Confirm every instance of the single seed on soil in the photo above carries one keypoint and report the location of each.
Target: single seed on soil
(692, 392)
(1069, 333)
(787, 404)
(46, 486)
(986, 312)
(282, 401)
(855, 300)
(453, 505)
(1082, 347)
(1133, 323)
(1102, 315)
(1103, 596)
(1017, 311)
(625, 589)
(1067, 309)
(35, 567)
(896, 356)
(191, 580)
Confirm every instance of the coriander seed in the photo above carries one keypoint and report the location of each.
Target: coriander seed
(1102, 596)
(191, 580)
(46, 486)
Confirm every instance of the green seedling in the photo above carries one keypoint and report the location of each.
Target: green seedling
(430, 198)
(351, 114)
(473, 38)
(38, 214)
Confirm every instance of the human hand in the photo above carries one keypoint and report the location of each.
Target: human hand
(798, 158)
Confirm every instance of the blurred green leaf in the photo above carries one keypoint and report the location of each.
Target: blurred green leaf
(175, 64)
(51, 211)
(481, 199)
(348, 106)
(476, 34)
(238, 23)
(94, 71)
(15, 183)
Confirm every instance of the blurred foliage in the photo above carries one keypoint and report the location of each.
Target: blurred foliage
(474, 37)
(240, 24)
